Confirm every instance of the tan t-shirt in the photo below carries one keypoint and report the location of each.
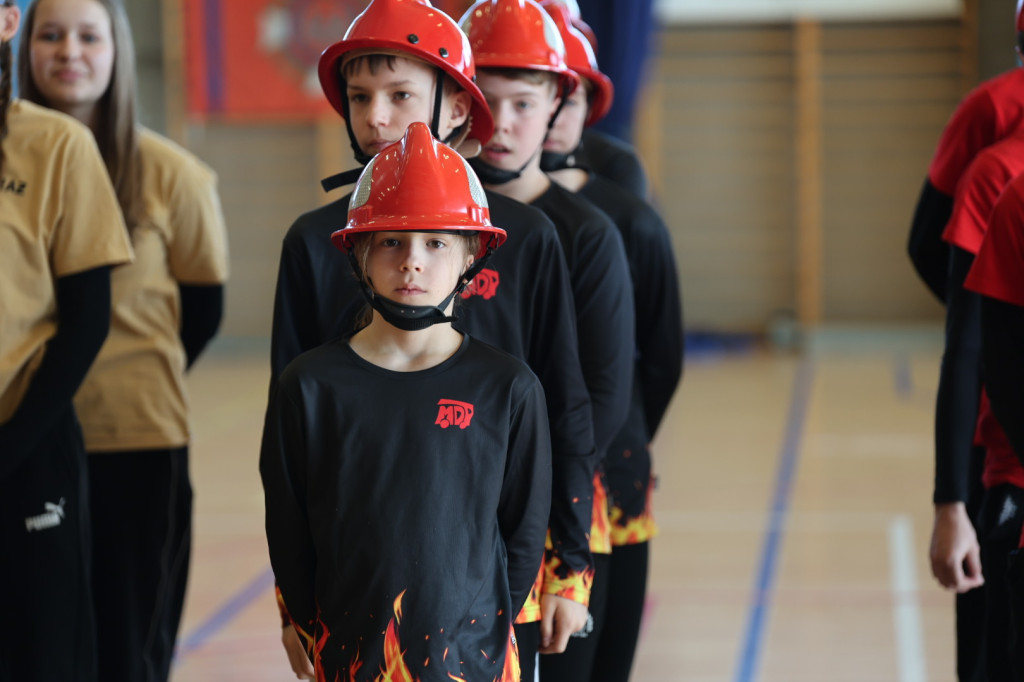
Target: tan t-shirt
(58, 216)
(134, 395)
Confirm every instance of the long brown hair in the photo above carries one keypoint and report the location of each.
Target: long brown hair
(5, 88)
(116, 125)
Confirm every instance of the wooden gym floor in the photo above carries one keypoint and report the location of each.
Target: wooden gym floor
(794, 507)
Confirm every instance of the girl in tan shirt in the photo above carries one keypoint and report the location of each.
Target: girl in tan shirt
(77, 57)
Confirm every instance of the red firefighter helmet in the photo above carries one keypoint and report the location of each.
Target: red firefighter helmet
(419, 185)
(517, 34)
(576, 18)
(579, 56)
(415, 28)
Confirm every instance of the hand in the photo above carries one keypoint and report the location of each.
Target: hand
(559, 618)
(296, 651)
(954, 553)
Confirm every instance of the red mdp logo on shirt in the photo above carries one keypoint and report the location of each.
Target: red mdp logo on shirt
(453, 413)
(485, 284)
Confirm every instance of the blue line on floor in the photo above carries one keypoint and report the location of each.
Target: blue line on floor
(788, 457)
(256, 588)
(902, 378)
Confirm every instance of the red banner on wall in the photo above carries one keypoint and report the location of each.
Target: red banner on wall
(256, 59)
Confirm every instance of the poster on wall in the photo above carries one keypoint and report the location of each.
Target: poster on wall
(256, 60)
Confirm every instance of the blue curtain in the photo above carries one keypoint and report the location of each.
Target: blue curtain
(624, 31)
(23, 4)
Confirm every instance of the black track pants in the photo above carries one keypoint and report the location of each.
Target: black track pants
(47, 631)
(142, 529)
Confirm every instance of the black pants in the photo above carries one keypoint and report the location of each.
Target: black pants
(528, 641)
(999, 522)
(1015, 585)
(47, 631)
(970, 606)
(577, 662)
(142, 530)
(623, 615)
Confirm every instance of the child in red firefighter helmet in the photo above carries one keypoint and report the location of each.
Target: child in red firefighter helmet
(407, 467)
(521, 70)
(403, 62)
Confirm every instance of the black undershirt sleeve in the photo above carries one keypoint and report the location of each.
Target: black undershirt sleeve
(1002, 329)
(202, 308)
(956, 411)
(294, 324)
(525, 503)
(928, 252)
(83, 320)
(659, 321)
(282, 467)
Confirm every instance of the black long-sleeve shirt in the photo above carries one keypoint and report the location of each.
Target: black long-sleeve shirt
(406, 511)
(956, 412)
(659, 341)
(521, 303)
(613, 159)
(603, 297)
(202, 307)
(928, 252)
(605, 320)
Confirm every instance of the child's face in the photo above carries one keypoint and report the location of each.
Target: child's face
(72, 54)
(383, 104)
(521, 111)
(565, 134)
(416, 268)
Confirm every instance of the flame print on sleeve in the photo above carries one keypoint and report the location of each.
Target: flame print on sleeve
(574, 585)
(636, 529)
(600, 533)
(531, 609)
(554, 578)
(286, 619)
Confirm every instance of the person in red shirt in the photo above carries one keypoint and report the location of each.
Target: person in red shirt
(986, 115)
(964, 558)
(997, 275)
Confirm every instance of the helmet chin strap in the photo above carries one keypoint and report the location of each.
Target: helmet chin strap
(413, 318)
(556, 161)
(492, 175)
(333, 182)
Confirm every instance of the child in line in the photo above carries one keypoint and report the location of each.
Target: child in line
(600, 152)
(402, 61)
(407, 467)
(617, 599)
(523, 75)
(62, 232)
